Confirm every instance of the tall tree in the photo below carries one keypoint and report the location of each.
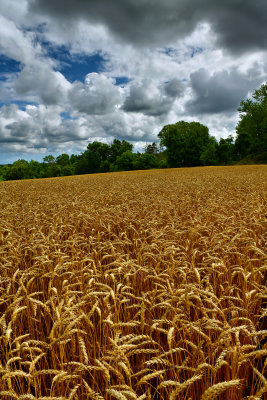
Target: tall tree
(126, 161)
(252, 127)
(95, 154)
(63, 159)
(49, 159)
(184, 142)
(18, 170)
(152, 149)
(147, 161)
(118, 147)
(209, 156)
(226, 150)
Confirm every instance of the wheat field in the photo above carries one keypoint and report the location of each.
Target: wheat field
(134, 285)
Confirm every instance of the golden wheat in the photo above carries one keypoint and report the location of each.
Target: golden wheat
(134, 285)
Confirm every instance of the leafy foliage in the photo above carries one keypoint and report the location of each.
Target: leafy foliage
(185, 142)
(252, 127)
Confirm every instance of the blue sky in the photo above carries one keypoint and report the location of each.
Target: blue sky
(75, 72)
(8, 65)
(74, 67)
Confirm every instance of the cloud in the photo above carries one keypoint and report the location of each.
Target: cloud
(38, 128)
(37, 76)
(40, 79)
(239, 26)
(150, 99)
(15, 43)
(221, 91)
(174, 88)
(15, 10)
(15, 127)
(128, 126)
(171, 54)
(98, 95)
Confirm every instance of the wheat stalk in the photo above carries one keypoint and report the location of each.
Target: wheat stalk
(214, 391)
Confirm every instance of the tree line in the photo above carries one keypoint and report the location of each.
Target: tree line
(98, 157)
(184, 144)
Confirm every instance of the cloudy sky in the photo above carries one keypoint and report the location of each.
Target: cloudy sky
(74, 71)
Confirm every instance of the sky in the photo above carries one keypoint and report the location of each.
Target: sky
(76, 71)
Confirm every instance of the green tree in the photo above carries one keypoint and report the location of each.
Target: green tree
(63, 160)
(52, 170)
(94, 159)
(73, 158)
(18, 170)
(152, 149)
(34, 169)
(126, 161)
(3, 172)
(146, 161)
(252, 127)
(95, 154)
(105, 166)
(117, 148)
(49, 159)
(67, 170)
(81, 165)
(209, 155)
(226, 150)
(184, 142)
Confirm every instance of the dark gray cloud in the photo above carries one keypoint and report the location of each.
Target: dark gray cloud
(18, 130)
(174, 88)
(240, 25)
(221, 91)
(148, 99)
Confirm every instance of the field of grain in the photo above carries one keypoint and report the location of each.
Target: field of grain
(138, 285)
